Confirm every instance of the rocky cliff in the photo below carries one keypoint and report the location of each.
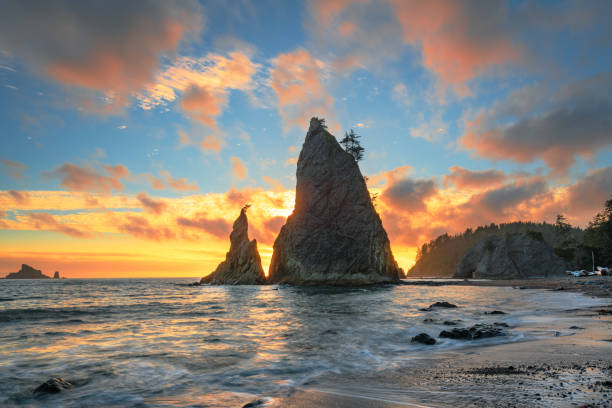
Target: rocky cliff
(510, 256)
(242, 265)
(334, 235)
(27, 272)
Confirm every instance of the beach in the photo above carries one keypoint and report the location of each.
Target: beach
(163, 343)
(572, 368)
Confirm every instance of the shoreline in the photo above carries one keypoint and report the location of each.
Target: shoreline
(596, 286)
(569, 368)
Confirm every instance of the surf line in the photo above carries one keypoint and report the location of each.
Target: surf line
(343, 394)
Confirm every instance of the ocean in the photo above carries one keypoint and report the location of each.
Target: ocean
(162, 343)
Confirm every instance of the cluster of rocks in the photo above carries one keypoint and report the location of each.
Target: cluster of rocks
(477, 331)
(334, 235)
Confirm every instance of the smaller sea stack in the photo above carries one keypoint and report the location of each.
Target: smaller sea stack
(242, 265)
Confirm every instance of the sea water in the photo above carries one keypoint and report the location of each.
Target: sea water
(160, 342)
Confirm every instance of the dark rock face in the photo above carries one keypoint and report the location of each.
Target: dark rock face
(27, 272)
(443, 304)
(56, 275)
(511, 256)
(334, 236)
(423, 338)
(53, 386)
(478, 331)
(495, 312)
(242, 265)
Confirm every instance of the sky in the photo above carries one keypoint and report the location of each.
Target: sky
(131, 133)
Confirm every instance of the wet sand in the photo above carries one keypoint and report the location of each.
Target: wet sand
(568, 368)
(599, 286)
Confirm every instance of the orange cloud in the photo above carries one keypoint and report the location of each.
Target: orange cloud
(458, 40)
(156, 182)
(203, 105)
(156, 207)
(115, 48)
(217, 227)
(13, 169)
(211, 143)
(79, 178)
(214, 73)
(464, 178)
(19, 197)
(297, 80)
(238, 168)
(180, 184)
(141, 228)
(46, 221)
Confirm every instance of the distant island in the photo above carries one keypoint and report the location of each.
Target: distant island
(27, 272)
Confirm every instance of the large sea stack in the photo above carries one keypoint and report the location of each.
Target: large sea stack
(242, 265)
(27, 272)
(511, 256)
(334, 235)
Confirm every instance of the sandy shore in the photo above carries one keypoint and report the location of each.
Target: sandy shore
(599, 286)
(569, 368)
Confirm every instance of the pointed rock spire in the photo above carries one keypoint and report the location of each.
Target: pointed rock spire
(334, 235)
(242, 265)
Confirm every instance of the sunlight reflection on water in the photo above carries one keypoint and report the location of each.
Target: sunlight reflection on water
(159, 342)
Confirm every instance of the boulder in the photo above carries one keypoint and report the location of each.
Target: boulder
(56, 275)
(242, 265)
(53, 386)
(510, 256)
(423, 338)
(443, 304)
(478, 331)
(27, 272)
(334, 235)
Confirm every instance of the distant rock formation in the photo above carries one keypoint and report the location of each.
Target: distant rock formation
(510, 256)
(56, 275)
(334, 236)
(242, 265)
(27, 272)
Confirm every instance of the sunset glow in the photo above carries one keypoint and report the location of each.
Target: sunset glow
(130, 152)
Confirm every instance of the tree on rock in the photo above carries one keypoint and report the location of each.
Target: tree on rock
(351, 145)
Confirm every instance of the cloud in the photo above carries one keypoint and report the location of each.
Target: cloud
(459, 40)
(13, 169)
(156, 182)
(19, 196)
(217, 226)
(509, 196)
(297, 80)
(112, 46)
(79, 178)
(575, 121)
(203, 105)
(473, 179)
(409, 194)
(342, 32)
(588, 195)
(141, 228)
(211, 143)
(238, 168)
(156, 207)
(213, 73)
(180, 184)
(45, 221)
